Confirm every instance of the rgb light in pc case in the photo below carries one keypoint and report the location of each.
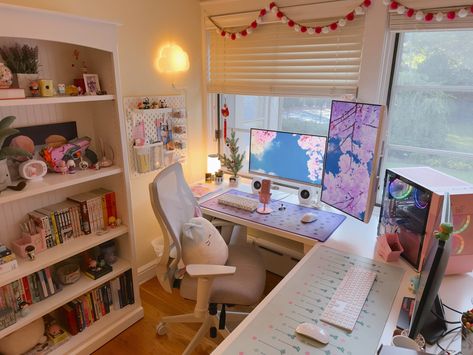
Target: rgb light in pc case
(411, 207)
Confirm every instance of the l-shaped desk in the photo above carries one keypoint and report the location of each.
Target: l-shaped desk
(353, 238)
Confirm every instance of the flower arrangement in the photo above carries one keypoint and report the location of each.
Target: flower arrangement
(21, 59)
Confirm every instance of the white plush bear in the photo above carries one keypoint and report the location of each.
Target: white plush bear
(202, 243)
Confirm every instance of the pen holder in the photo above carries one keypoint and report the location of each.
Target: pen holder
(37, 240)
(389, 247)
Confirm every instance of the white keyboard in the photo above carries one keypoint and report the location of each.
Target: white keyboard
(346, 304)
(241, 202)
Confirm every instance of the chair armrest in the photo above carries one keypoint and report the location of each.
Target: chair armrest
(202, 270)
(221, 223)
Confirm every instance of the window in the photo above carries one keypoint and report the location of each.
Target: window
(431, 103)
(292, 114)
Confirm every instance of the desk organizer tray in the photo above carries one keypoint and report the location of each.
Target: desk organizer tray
(288, 220)
(303, 299)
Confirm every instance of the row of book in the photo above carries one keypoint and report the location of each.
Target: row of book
(80, 313)
(80, 214)
(21, 293)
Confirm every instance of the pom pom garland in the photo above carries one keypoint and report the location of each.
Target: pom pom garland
(282, 17)
(429, 16)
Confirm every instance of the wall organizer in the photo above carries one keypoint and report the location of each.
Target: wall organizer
(147, 124)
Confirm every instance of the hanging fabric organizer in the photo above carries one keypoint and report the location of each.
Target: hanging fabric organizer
(156, 137)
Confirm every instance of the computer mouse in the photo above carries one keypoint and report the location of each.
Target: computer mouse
(312, 331)
(308, 217)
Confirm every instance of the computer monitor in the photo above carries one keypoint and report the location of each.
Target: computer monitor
(424, 320)
(287, 156)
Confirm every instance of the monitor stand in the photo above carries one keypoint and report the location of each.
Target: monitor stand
(433, 327)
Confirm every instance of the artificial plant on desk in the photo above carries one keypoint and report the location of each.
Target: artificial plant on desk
(234, 161)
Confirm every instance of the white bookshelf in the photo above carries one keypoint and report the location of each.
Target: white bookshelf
(55, 100)
(98, 117)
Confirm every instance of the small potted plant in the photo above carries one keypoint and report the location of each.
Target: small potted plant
(23, 62)
(5, 152)
(234, 161)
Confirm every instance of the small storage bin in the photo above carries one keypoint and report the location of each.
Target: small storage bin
(148, 157)
(389, 247)
(37, 240)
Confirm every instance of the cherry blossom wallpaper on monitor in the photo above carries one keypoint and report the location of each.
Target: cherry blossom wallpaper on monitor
(350, 157)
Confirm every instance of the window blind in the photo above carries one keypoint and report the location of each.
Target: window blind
(277, 61)
(402, 23)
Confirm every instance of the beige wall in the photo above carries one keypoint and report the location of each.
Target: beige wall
(145, 25)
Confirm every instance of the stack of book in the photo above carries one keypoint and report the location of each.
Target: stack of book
(8, 306)
(7, 260)
(80, 313)
(81, 214)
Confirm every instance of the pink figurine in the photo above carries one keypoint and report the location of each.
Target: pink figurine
(62, 167)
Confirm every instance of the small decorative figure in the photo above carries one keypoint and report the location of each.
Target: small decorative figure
(118, 222)
(414, 284)
(61, 89)
(34, 88)
(62, 167)
(71, 166)
(444, 232)
(112, 221)
(24, 308)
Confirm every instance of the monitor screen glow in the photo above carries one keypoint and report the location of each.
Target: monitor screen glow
(288, 156)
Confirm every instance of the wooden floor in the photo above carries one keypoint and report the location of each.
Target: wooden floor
(141, 337)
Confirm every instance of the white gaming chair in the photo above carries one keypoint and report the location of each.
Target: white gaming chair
(240, 282)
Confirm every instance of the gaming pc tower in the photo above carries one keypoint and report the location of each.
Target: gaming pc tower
(411, 207)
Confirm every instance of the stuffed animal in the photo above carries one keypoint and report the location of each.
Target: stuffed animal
(54, 155)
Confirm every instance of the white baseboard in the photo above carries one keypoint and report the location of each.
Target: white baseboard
(147, 271)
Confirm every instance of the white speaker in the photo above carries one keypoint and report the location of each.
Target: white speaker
(256, 184)
(306, 195)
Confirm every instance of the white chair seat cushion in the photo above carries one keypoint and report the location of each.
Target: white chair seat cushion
(245, 287)
(202, 243)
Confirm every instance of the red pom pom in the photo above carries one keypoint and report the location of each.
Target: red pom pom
(303, 29)
(350, 16)
(333, 26)
(223, 33)
(279, 14)
(262, 12)
(367, 3)
(244, 33)
(394, 5)
(410, 12)
(451, 15)
(271, 5)
(429, 17)
(290, 23)
(254, 24)
(318, 30)
(233, 36)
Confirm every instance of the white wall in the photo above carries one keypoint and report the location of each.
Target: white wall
(145, 25)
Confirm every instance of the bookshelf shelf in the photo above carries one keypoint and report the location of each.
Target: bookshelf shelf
(54, 181)
(67, 294)
(60, 252)
(122, 318)
(55, 100)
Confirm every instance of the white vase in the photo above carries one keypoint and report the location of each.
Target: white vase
(23, 81)
(233, 181)
(5, 179)
(6, 77)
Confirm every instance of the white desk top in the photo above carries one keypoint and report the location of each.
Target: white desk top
(356, 237)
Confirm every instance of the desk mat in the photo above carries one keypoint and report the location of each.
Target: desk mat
(303, 299)
(288, 220)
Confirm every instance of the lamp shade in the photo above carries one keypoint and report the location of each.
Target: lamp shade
(213, 163)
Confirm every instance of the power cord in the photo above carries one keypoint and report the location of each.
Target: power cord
(443, 319)
(452, 309)
(444, 335)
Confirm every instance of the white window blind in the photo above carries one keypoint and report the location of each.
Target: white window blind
(402, 23)
(277, 61)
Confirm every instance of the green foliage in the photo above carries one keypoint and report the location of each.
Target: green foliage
(233, 162)
(5, 132)
(21, 59)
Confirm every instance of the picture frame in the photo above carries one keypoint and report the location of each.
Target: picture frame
(92, 85)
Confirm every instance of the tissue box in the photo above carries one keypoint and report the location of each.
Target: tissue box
(389, 247)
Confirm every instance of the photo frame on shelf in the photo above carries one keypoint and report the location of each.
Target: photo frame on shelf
(92, 85)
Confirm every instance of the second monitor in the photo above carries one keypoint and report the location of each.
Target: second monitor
(287, 156)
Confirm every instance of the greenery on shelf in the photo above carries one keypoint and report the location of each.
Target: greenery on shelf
(233, 162)
(21, 59)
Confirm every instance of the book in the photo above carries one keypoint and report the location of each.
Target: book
(202, 189)
(27, 291)
(8, 94)
(82, 199)
(8, 266)
(42, 282)
(115, 293)
(129, 286)
(69, 319)
(49, 279)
